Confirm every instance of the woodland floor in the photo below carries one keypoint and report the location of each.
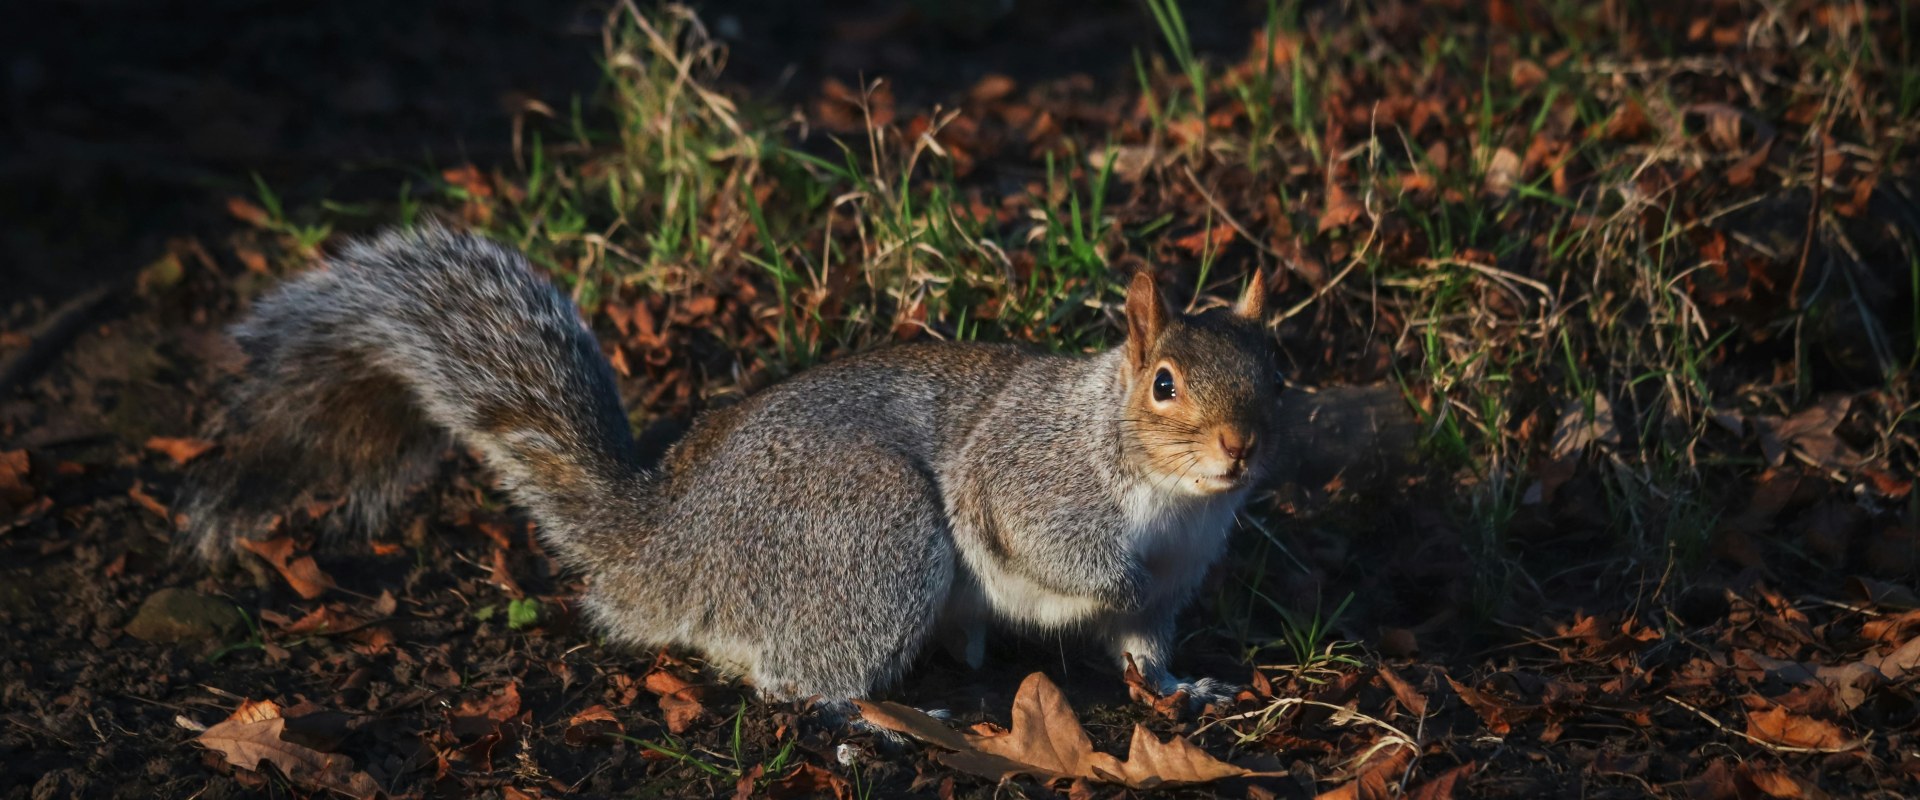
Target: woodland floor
(1551, 530)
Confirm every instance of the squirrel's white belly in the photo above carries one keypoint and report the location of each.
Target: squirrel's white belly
(1020, 600)
(1176, 541)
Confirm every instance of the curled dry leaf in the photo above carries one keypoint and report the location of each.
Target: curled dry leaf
(252, 735)
(1048, 743)
(300, 571)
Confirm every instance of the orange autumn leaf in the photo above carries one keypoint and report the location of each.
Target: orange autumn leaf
(679, 701)
(1340, 210)
(300, 571)
(1777, 725)
(139, 494)
(180, 449)
(1205, 241)
(244, 210)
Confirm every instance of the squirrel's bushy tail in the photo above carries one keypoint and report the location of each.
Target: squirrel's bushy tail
(358, 372)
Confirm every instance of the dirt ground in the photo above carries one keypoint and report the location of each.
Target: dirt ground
(445, 657)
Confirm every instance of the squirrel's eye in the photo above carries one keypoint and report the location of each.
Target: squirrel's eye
(1163, 385)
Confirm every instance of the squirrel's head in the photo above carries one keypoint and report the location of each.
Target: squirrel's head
(1202, 390)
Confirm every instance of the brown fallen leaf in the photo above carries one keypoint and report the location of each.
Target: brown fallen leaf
(808, 780)
(912, 722)
(1898, 664)
(1777, 783)
(1171, 706)
(139, 494)
(255, 711)
(300, 571)
(1047, 742)
(1503, 171)
(1378, 776)
(14, 490)
(681, 702)
(589, 724)
(327, 621)
(1581, 426)
(244, 210)
(1410, 698)
(479, 716)
(1442, 787)
(181, 450)
(1499, 715)
(1777, 725)
(253, 736)
(1892, 628)
(1341, 209)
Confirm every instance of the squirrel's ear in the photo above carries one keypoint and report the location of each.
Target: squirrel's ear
(1146, 317)
(1253, 301)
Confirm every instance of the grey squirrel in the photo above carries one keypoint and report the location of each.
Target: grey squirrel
(811, 538)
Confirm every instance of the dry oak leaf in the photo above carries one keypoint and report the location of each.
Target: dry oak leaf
(1048, 743)
(180, 449)
(300, 571)
(252, 735)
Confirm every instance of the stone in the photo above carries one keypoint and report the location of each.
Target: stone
(176, 615)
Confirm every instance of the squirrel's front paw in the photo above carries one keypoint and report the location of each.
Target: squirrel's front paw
(1208, 691)
(1201, 692)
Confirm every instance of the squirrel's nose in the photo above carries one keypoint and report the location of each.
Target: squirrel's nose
(1236, 446)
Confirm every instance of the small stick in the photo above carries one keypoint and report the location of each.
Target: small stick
(1813, 216)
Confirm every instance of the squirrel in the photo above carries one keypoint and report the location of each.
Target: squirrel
(811, 538)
